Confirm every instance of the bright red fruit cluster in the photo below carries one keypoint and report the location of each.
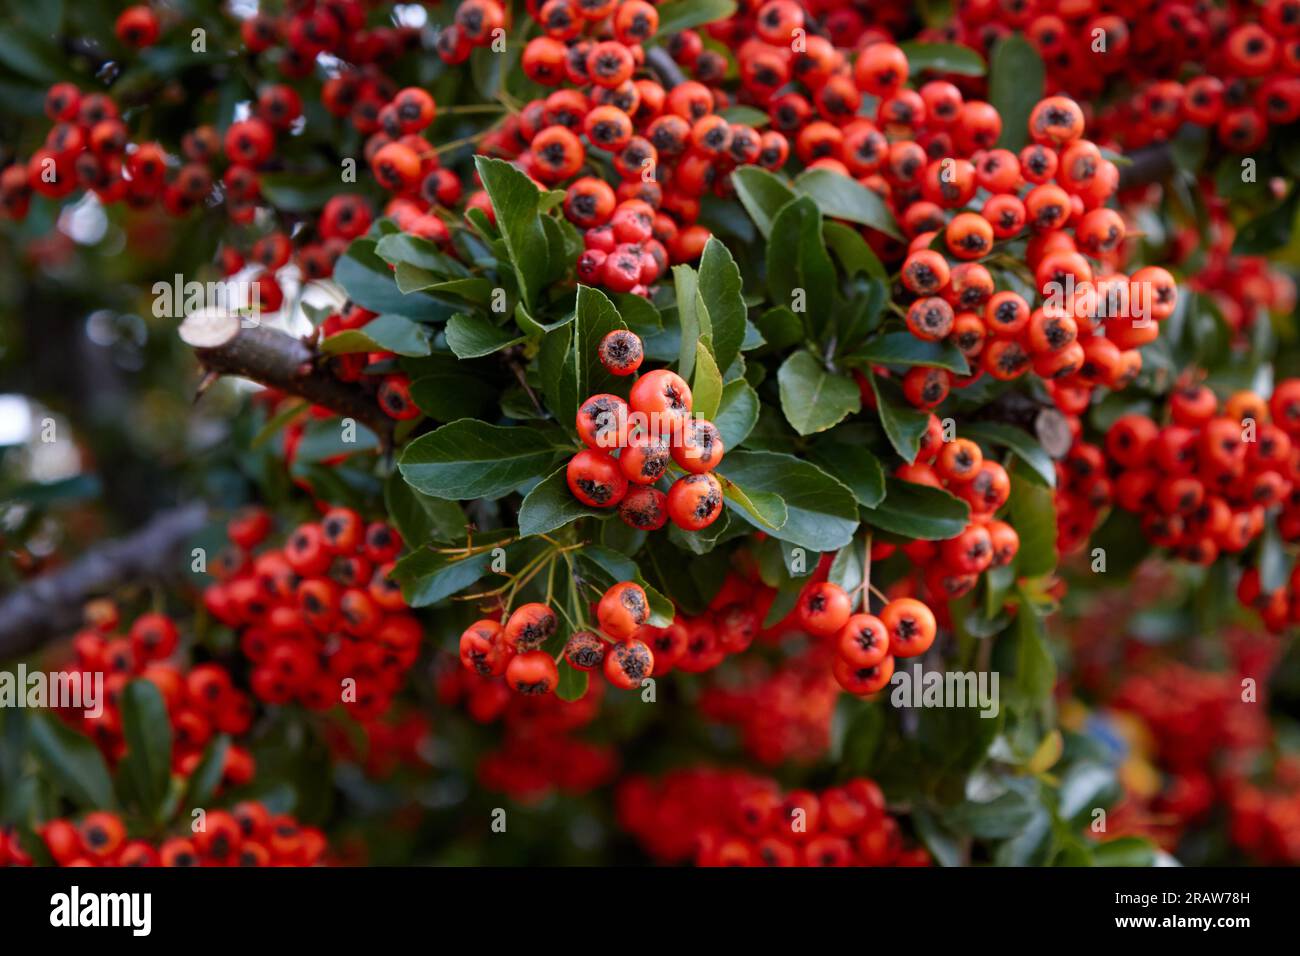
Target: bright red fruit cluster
(730, 818)
(515, 650)
(651, 431)
(1092, 319)
(950, 568)
(319, 618)
(201, 700)
(1244, 59)
(248, 835)
(784, 711)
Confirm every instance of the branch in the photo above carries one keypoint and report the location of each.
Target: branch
(280, 361)
(51, 605)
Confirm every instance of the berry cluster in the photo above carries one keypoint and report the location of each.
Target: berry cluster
(88, 147)
(319, 618)
(1204, 481)
(201, 701)
(1245, 59)
(530, 767)
(950, 568)
(666, 147)
(1242, 287)
(1206, 742)
(652, 430)
(488, 699)
(783, 711)
(247, 835)
(398, 739)
(1087, 330)
(515, 650)
(1195, 716)
(730, 818)
(1265, 818)
(694, 644)
(866, 645)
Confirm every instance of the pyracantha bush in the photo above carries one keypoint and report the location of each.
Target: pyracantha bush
(653, 397)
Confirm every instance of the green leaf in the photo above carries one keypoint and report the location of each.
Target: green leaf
(369, 282)
(1189, 147)
(852, 251)
(487, 70)
(764, 509)
(1032, 669)
(998, 819)
(840, 197)
(942, 58)
(448, 396)
(763, 195)
(427, 576)
(384, 333)
(516, 201)
(806, 268)
(862, 737)
(473, 336)
(706, 386)
(573, 682)
(719, 289)
(468, 459)
(812, 398)
(855, 465)
(737, 413)
(1125, 851)
(904, 348)
(1016, 78)
(1033, 514)
(639, 313)
(1122, 542)
(681, 15)
(1032, 846)
(918, 511)
(746, 116)
(422, 255)
(203, 782)
(420, 519)
(558, 366)
(1270, 230)
(904, 425)
(1085, 786)
(411, 279)
(1024, 445)
(943, 845)
(72, 762)
(780, 328)
(846, 569)
(31, 56)
(551, 505)
(292, 192)
(323, 439)
(43, 16)
(147, 731)
(821, 514)
(693, 319)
